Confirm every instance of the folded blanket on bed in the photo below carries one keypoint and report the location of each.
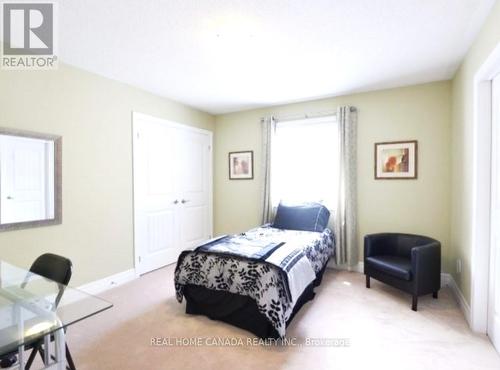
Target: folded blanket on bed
(288, 258)
(240, 246)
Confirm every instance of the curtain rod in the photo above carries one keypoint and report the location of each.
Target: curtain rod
(295, 117)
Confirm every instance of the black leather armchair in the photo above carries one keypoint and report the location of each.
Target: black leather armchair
(408, 262)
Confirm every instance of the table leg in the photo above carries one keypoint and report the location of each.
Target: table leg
(18, 314)
(20, 356)
(46, 346)
(60, 344)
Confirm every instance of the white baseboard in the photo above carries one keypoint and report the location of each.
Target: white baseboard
(457, 293)
(101, 285)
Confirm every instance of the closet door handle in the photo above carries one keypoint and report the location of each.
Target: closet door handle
(184, 201)
(176, 201)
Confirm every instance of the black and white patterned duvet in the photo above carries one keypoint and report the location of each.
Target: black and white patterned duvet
(258, 280)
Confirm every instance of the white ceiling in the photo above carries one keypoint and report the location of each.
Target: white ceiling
(222, 56)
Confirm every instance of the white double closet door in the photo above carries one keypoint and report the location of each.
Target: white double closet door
(172, 190)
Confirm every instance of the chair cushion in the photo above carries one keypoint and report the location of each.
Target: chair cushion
(398, 267)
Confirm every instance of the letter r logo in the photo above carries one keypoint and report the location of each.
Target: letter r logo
(28, 28)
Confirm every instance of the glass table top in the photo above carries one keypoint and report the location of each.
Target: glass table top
(28, 308)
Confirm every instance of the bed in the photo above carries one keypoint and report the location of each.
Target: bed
(258, 294)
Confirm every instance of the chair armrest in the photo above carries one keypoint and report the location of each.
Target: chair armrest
(426, 267)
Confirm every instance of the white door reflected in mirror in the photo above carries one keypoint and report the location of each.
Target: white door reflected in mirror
(26, 179)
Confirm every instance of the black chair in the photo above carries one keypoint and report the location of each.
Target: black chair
(58, 269)
(408, 262)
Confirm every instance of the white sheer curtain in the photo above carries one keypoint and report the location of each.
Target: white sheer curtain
(268, 130)
(345, 222)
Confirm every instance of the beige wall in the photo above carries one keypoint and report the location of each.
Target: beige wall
(420, 206)
(93, 115)
(462, 128)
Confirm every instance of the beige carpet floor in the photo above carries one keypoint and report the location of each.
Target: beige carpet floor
(382, 331)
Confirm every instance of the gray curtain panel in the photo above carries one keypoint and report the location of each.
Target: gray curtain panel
(345, 220)
(268, 127)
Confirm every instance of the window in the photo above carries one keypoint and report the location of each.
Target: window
(305, 161)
